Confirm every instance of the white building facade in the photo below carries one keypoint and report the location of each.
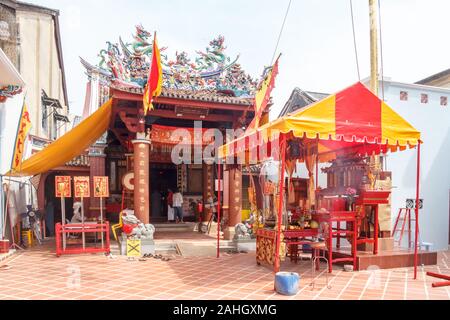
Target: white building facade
(31, 46)
(427, 108)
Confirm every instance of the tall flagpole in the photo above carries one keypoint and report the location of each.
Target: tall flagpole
(7, 214)
(373, 47)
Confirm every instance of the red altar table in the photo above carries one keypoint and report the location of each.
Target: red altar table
(265, 246)
(81, 228)
(339, 217)
(266, 238)
(294, 238)
(372, 198)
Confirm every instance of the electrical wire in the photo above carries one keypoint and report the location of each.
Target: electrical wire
(354, 40)
(381, 50)
(281, 32)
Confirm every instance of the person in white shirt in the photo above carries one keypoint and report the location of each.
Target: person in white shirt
(177, 205)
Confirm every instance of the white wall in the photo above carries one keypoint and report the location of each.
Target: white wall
(433, 120)
(39, 65)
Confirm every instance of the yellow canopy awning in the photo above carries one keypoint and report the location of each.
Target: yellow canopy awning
(70, 145)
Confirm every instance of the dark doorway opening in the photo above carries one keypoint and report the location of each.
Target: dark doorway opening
(52, 205)
(163, 176)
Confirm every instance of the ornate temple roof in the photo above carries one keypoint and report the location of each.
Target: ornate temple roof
(211, 76)
(201, 95)
(300, 99)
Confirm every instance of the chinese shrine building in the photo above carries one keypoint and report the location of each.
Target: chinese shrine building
(211, 90)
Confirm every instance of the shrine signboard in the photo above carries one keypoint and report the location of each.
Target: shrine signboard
(81, 187)
(101, 187)
(63, 188)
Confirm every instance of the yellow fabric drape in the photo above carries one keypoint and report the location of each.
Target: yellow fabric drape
(70, 145)
(290, 168)
(310, 161)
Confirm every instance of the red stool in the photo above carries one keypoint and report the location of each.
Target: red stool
(318, 252)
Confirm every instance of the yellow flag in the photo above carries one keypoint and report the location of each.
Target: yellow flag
(22, 132)
(262, 96)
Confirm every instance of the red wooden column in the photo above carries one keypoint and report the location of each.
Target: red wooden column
(219, 190)
(235, 198)
(141, 179)
(97, 159)
(208, 185)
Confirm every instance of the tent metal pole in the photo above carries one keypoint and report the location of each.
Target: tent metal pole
(317, 172)
(280, 204)
(416, 231)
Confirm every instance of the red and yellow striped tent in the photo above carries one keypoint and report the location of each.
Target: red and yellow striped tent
(352, 119)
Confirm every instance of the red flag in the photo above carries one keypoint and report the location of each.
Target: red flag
(154, 82)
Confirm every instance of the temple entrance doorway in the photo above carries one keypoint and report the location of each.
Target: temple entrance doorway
(52, 205)
(163, 176)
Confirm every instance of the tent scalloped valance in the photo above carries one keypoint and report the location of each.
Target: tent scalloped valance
(353, 115)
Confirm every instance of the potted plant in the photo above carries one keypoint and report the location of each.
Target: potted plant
(350, 193)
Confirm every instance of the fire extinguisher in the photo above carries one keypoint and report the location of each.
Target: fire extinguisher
(200, 210)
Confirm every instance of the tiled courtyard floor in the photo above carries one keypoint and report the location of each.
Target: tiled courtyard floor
(38, 274)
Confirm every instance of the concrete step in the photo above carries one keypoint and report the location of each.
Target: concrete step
(173, 227)
(170, 245)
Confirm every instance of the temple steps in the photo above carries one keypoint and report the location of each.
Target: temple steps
(174, 227)
(186, 247)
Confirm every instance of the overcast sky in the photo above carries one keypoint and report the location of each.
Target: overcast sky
(317, 42)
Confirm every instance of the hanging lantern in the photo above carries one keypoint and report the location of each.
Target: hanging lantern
(270, 176)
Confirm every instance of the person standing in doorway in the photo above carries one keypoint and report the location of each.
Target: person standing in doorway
(170, 211)
(49, 218)
(177, 205)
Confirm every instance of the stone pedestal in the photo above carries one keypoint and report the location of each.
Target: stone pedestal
(147, 246)
(245, 245)
(228, 233)
(141, 179)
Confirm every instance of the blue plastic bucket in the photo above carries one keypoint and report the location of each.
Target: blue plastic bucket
(286, 283)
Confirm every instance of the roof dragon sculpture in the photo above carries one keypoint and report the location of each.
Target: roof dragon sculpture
(127, 65)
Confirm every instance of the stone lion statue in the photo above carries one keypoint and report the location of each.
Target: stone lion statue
(241, 232)
(140, 230)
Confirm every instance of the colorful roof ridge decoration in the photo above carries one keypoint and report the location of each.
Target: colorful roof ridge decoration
(11, 82)
(8, 92)
(126, 65)
(354, 116)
